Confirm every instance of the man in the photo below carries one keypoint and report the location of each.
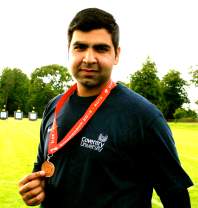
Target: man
(103, 145)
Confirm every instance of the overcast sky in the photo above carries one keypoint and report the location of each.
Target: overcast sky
(33, 33)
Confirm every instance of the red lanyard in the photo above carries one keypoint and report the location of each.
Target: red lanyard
(53, 146)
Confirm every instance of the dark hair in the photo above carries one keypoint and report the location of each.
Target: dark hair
(94, 18)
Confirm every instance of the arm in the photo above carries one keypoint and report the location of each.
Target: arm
(47, 121)
(31, 188)
(169, 179)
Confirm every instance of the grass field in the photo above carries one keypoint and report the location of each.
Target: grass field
(18, 147)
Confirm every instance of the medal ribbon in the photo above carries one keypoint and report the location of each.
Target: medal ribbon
(53, 146)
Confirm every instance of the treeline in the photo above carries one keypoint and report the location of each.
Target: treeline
(168, 94)
(17, 91)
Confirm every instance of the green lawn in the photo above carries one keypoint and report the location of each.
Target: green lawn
(18, 147)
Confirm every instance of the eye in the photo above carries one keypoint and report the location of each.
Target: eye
(102, 48)
(79, 47)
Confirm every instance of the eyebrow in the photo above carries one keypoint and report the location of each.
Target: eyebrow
(94, 45)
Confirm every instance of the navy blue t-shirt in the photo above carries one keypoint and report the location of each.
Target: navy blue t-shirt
(124, 151)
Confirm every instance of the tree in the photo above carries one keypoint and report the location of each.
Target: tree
(14, 86)
(47, 82)
(194, 80)
(174, 93)
(194, 73)
(146, 82)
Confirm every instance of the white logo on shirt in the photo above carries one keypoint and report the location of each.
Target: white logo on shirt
(96, 145)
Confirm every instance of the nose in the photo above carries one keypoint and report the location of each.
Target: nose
(89, 56)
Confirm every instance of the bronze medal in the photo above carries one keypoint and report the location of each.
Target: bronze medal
(49, 168)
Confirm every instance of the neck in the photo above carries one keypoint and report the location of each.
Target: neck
(84, 91)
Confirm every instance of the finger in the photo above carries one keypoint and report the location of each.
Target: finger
(35, 200)
(32, 193)
(30, 186)
(30, 177)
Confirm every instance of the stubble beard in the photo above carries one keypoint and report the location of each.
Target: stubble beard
(91, 82)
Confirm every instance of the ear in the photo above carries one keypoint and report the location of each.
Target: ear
(117, 56)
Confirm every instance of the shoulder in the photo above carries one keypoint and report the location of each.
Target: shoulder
(133, 104)
(129, 96)
(49, 109)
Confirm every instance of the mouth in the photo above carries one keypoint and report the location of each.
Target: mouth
(88, 70)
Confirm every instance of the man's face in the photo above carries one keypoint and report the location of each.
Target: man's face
(91, 57)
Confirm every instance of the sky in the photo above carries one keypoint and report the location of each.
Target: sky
(33, 34)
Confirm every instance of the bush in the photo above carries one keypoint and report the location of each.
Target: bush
(187, 115)
(187, 120)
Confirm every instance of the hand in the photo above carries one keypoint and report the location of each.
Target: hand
(31, 188)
